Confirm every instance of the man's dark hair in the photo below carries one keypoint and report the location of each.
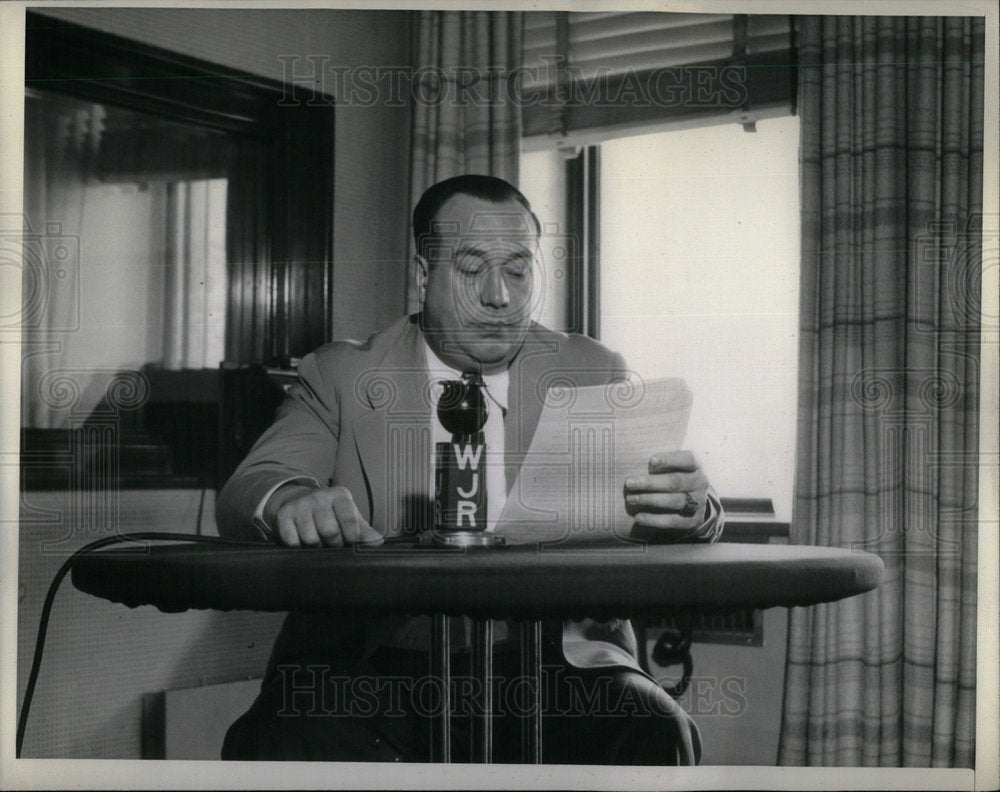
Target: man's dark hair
(486, 188)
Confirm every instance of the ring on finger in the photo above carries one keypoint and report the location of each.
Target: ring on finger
(691, 505)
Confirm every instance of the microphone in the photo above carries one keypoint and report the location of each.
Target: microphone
(460, 465)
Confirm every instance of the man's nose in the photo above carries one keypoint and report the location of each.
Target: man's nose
(493, 291)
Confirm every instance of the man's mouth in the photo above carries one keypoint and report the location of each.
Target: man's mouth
(507, 332)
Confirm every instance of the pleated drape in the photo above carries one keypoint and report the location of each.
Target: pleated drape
(466, 114)
(891, 112)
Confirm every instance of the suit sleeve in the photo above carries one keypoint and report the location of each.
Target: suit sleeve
(300, 444)
(715, 521)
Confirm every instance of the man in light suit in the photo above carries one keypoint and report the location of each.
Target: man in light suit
(349, 459)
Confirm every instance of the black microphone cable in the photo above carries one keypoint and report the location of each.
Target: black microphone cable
(36, 661)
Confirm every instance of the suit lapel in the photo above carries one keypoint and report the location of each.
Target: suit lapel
(393, 433)
(526, 395)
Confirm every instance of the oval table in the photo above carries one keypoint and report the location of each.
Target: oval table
(520, 582)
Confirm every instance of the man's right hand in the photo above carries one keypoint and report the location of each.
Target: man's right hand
(313, 517)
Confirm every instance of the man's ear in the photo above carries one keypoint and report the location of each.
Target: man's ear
(420, 276)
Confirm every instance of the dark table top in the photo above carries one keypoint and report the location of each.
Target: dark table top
(599, 581)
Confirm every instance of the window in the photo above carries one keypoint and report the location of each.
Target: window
(699, 252)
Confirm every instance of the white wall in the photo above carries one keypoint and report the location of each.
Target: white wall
(736, 694)
(101, 657)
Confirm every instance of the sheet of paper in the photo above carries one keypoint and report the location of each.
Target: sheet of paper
(588, 441)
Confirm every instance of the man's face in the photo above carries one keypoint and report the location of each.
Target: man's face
(477, 282)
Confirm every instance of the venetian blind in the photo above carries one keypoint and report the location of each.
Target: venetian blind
(607, 69)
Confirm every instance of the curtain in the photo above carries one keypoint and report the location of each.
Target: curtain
(891, 168)
(465, 116)
(62, 143)
(123, 264)
(194, 291)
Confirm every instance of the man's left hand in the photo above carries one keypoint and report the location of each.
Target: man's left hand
(672, 497)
